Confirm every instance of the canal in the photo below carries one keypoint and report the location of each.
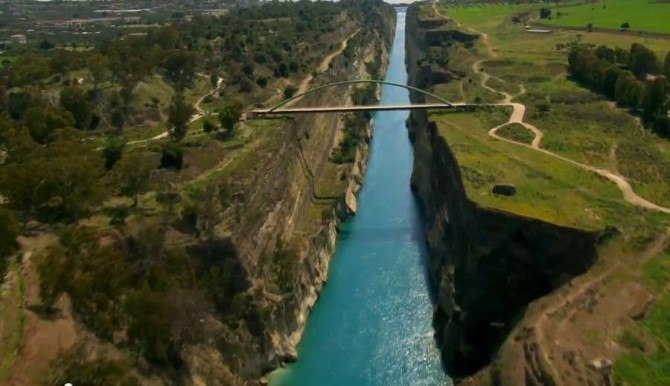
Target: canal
(372, 322)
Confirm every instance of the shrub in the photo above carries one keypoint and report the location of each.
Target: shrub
(543, 107)
(9, 229)
(208, 126)
(246, 85)
(113, 152)
(172, 156)
(290, 91)
(262, 81)
(545, 13)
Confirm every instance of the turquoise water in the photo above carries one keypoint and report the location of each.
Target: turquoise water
(372, 322)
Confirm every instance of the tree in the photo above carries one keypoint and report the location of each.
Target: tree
(545, 13)
(262, 81)
(628, 90)
(667, 65)
(179, 115)
(61, 62)
(208, 126)
(642, 61)
(134, 171)
(149, 326)
(46, 45)
(208, 211)
(625, 25)
(52, 270)
(58, 181)
(289, 91)
(589, 27)
(246, 85)
(609, 82)
(230, 114)
(248, 68)
(76, 101)
(113, 151)
(9, 230)
(98, 65)
(180, 67)
(655, 95)
(118, 118)
(172, 156)
(42, 122)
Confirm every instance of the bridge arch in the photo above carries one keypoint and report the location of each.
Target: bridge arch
(358, 81)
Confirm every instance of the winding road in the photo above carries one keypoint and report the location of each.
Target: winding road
(517, 116)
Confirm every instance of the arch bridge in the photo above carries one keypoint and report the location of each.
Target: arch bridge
(281, 108)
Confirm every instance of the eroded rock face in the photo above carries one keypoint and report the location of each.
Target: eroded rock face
(350, 201)
(487, 265)
(438, 37)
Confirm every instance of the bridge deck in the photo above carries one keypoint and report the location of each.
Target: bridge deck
(345, 109)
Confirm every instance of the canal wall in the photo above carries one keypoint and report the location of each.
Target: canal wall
(286, 236)
(486, 265)
(279, 224)
(317, 250)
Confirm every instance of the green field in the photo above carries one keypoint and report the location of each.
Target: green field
(578, 123)
(547, 189)
(642, 15)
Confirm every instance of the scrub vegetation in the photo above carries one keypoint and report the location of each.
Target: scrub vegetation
(648, 358)
(135, 157)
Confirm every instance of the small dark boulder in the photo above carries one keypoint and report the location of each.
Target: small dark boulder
(504, 189)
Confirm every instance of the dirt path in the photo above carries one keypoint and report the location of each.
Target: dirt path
(199, 113)
(517, 116)
(44, 338)
(325, 64)
(548, 326)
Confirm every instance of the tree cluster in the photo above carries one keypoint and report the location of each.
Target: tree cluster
(135, 283)
(632, 78)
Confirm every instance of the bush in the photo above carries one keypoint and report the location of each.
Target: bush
(172, 156)
(113, 152)
(625, 25)
(246, 85)
(208, 126)
(290, 91)
(545, 13)
(262, 81)
(9, 230)
(230, 114)
(543, 107)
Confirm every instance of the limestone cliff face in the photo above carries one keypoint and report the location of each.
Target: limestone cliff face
(487, 265)
(272, 226)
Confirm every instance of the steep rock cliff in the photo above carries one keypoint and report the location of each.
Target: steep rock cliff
(487, 265)
(281, 249)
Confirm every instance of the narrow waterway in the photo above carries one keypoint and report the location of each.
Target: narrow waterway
(372, 323)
